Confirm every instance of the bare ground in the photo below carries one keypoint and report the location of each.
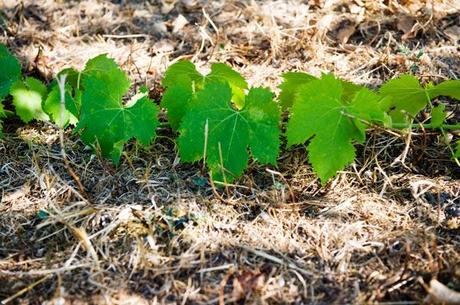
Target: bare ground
(153, 232)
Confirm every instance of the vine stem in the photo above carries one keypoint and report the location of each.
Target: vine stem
(425, 126)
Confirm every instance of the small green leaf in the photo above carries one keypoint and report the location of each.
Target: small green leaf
(11, 71)
(104, 119)
(320, 114)
(214, 130)
(364, 108)
(457, 151)
(222, 72)
(450, 88)
(404, 98)
(105, 69)
(290, 85)
(28, 96)
(52, 106)
(181, 68)
(438, 116)
(182, 81)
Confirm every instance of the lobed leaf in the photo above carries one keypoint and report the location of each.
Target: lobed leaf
(215, 131)
(221, 72)
(11, 71)
(450, 88)
(28, 96)
(104, 119)
(180, 69)
(290, 86)
(293, 81)
(403, 98)
(322, 115)
(182, 81)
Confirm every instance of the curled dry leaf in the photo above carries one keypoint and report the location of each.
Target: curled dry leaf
(439, 294)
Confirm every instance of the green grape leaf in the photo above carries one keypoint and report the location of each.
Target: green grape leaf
(104, 68)
(438, 116)
(222, 72)
(11, 71)
(290, 85)
(182, 81)
(179, 69)
(450, 88)
(104, 119)
(28, 96)
(52, 106)
(176, 99)
(365, 109)
(294, 80)
(320, 114)
(403, 98)
(212, 129)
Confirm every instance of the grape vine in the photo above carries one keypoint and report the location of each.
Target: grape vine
(222, 122)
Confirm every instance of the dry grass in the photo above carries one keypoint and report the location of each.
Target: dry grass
(152, 232)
